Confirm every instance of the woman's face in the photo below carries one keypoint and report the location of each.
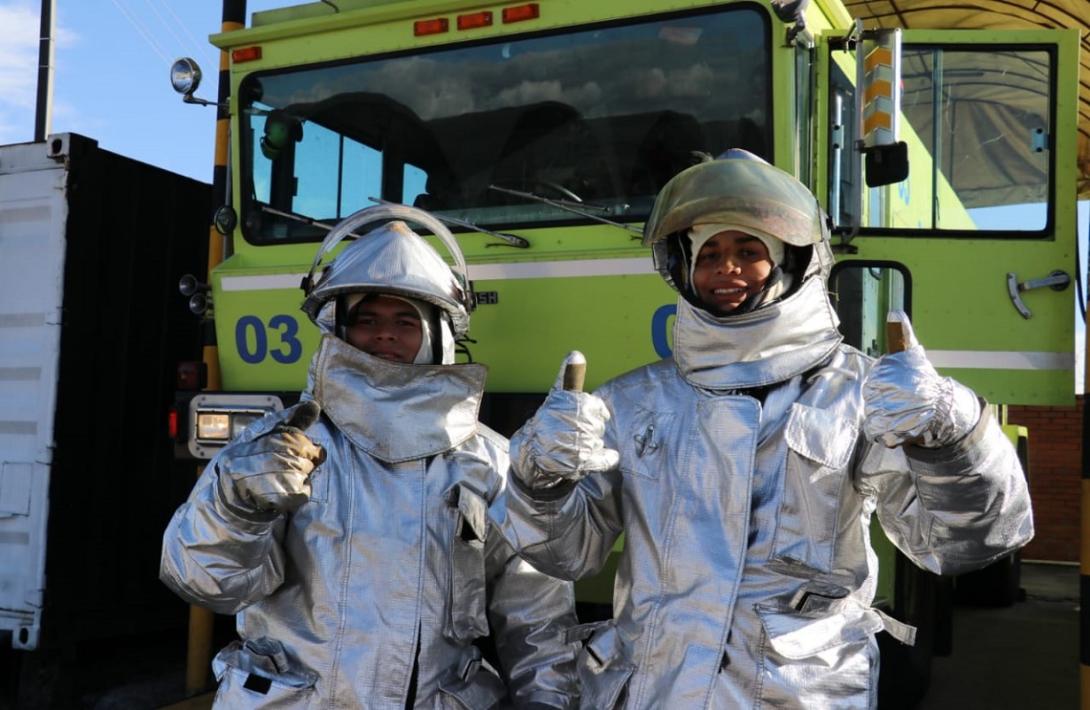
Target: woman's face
(731, 267)
(385, 327)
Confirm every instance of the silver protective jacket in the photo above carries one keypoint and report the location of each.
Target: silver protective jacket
(389, 573)
(745, 492)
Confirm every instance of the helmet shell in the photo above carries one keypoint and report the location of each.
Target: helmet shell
(392, 259)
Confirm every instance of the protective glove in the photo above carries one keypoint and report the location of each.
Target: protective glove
(271, 473)
(905, 401)
(563, 441)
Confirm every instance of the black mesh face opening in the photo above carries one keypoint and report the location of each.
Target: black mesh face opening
(678, 258)
(796, 262)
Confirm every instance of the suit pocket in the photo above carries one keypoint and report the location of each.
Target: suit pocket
(819, 659)
(820, 445)
(468, 618)
(605, 668)
(798, 635)
(476, 686)
(259, 674)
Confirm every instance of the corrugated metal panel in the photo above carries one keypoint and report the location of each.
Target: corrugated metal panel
(91, 329)
(33, 214)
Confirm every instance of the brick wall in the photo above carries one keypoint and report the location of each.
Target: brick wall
(1055, 473)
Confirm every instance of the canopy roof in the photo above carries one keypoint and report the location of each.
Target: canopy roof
(996, 15)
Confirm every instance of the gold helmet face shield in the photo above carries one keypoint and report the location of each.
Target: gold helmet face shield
(750, 196)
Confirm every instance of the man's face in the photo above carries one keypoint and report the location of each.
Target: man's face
(731, 267)
(385, 327)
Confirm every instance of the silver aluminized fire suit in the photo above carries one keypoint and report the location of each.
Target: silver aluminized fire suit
(744, 486)
(387, 573)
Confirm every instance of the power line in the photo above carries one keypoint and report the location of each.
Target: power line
(192, 45)
(143, 32)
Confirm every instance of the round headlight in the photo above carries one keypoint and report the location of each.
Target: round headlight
(185, 76)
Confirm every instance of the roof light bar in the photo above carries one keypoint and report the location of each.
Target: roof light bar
(521, 13)
(246, 54)
(436, 26)
(475, 20)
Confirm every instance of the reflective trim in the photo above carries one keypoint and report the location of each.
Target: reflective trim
(478, 272)
(1001, 360)
(562, 269)
(268, 282)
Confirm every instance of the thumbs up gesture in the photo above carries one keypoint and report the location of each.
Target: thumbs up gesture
(271, 473)
(905, 401)
(563, 441)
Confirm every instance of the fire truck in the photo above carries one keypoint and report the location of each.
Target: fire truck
(540, 133)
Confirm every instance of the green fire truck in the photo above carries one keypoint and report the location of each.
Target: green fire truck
(541, 133)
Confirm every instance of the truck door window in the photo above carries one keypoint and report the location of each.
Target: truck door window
(863, 293)
(978, 124)
(314, 172)
(601, 115)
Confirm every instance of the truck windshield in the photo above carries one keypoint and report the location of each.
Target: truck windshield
(598, 119)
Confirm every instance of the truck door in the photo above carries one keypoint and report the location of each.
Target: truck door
(981, 236)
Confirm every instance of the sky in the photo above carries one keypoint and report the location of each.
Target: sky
(112, 82)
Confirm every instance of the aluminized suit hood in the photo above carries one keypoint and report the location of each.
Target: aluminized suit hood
(777, 340)
(767, 345)
(395, 411)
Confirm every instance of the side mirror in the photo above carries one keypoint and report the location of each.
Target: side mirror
(886, 164)
(878, 76)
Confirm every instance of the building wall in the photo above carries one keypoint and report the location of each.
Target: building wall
(1055, 474)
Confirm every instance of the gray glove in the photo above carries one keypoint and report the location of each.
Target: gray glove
(271, 473)
(905, 401)
(563, 441)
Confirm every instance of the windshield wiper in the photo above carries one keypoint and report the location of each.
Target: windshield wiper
(509, 240)
(296, 217)
(567, 207)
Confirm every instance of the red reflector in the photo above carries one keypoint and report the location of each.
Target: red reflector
(431, 27)
(519, 13)
(474, 20)
(191, 375)
(246, 54)
(172, 423)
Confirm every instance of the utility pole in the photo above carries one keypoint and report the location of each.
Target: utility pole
(43, 116)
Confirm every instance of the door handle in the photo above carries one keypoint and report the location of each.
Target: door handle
(1056, 280)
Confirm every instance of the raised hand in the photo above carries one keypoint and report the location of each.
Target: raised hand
(905, 401)
(563, 441)
(271, 473)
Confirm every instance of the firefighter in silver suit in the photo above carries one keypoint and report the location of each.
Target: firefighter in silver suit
(349, 533)
(744, 471)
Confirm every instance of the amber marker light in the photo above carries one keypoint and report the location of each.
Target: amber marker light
(475, 20)
(521, 13)
(246, 54)
(437, 26)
